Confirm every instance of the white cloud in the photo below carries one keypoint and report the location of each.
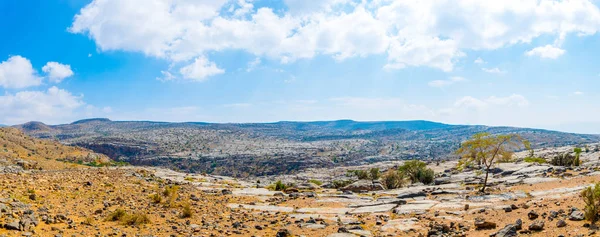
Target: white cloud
(57, 72)
(444, 83)
(166, 76)
(493, 70)
(17, 72)
(253, 64)
(479, 61)
(547, 51)
(578, 93)
(200, 70)
(469, 102)
(51, 106)
(431, 33)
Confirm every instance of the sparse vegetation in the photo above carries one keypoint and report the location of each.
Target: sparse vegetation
(341, 183)
(277, 186)
(370, 174)
(538, 160)
(484, 149)
(156, 198)
(417, 171)
(136, 219)
(186, 210)
(117, 215)
(171, 193)
(317, 182)
(392, 179)
(591, 197)
(565, 159)
(122, 216)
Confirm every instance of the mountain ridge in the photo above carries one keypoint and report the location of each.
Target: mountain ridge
(245, 149)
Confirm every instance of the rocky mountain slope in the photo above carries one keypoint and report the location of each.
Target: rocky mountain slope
(274, 148)
(18, 149)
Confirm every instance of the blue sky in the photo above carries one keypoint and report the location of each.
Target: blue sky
(517, 63)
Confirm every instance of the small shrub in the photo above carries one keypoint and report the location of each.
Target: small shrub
(425, 176)
(277, 186)
(117, 215)
(565, 159)
(392, 179)
(374, 174)
(155, 198)
(341, 183)
(136, 219)
(171, 192)
(186, 211)
(317, 182)
(360, 174)
(591, 197)
(417, 171)
(538, 160)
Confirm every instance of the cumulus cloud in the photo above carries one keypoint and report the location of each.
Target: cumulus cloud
(430, 33)
(57, 72)
(51, 106)
(444, 83)
(547, 51)
(200, 70)
(17, 72)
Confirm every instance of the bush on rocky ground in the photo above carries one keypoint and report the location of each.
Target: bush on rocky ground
(341, 183)
(392, 179)
(566, 159)
(277, 186)
(186, 210)
(417, 171)
(538, 160)
(591, 197)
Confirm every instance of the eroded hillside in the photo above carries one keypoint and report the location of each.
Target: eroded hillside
(16, 148)
(243, 150)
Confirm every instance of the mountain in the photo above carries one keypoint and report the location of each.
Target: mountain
(244, 149)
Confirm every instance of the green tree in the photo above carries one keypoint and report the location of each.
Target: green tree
(487, 149)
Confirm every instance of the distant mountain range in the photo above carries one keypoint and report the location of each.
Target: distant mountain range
(243, 149)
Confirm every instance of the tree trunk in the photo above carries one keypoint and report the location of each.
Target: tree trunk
(487, 171)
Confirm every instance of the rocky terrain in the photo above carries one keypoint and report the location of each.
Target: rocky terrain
(244, 150)
(523, 199)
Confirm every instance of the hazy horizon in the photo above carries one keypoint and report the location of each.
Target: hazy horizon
(558, 129)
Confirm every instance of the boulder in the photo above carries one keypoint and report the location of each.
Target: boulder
(576, 216)
(509, 230)
(12, 225)
(532, 215)
(283, 233)
(481, 224)
(519, 224)
(363, 186)
(561, 223)
(537, 225)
